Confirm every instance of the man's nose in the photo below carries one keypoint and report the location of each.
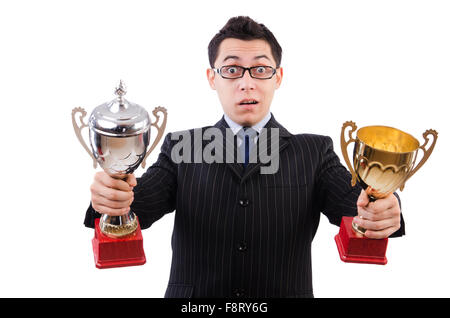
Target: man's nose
(246, 82)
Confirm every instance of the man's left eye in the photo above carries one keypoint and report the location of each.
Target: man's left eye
(261, 69)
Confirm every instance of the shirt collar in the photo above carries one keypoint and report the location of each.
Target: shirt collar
(235, 127)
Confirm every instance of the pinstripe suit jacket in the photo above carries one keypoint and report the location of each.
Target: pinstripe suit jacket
(241, 233)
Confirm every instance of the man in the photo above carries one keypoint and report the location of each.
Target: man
(239, 232)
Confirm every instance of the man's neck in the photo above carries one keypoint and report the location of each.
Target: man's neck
(235, 127)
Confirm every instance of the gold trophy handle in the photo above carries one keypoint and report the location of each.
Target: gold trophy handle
(79, 128)
(426, 153)
(160, 129)
(344, 146)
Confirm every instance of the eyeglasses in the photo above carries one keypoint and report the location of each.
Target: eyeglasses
(236, 71)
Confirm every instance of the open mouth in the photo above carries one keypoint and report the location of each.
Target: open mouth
(248, 102)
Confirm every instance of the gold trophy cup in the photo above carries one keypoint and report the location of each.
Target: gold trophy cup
(383, 160)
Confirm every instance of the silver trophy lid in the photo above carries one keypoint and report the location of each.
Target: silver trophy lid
(119, 117)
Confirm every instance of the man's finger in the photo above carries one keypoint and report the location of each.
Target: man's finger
(368, 214)
(380, 234)
(100, 200)
(376, 225)
(131, 180)
(110, 211)
(384, 204)
(363, 199)
(110, 182)
(111, 194)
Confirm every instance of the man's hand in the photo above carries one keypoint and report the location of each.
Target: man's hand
(112, 196)
(380, 218)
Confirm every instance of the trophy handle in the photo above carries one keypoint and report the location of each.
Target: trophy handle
(426, 153)
(160, 129)
(344, 146)
(79, 128)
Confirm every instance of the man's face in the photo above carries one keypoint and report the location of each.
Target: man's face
(237, 96)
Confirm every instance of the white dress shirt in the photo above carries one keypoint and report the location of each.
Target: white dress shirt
(235, 127)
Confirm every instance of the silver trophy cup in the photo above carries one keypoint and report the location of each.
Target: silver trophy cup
(119, 135)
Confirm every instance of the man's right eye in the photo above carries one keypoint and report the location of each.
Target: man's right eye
(231, 70)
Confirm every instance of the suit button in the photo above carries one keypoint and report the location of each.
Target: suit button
(243, 202)
(238, 292)
(242, 247)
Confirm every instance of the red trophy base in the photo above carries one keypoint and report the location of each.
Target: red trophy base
(355, 248)
(117, 252)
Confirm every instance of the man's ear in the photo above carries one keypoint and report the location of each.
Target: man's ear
(211, 75)
(279, 76)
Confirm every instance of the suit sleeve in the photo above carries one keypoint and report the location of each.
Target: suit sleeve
(155, 193)
(336, 196)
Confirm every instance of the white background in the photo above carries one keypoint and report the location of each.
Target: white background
(373, 62)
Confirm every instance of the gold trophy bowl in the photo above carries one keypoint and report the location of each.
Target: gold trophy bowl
(383, 159)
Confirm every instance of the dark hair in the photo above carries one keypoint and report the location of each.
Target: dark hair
(244, 28)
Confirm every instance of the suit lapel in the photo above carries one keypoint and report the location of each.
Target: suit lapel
(230, 145)
(283, 142)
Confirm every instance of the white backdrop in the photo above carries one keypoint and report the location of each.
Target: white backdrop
(373, 62)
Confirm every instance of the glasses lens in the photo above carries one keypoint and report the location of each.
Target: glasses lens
(262, 71)
(231, 71)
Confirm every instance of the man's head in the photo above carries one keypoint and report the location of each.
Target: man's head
(245, 43)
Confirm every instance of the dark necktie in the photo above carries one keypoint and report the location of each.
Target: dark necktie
(247, 150)
(247, 134)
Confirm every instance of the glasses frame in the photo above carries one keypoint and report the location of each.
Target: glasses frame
(219, 71)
